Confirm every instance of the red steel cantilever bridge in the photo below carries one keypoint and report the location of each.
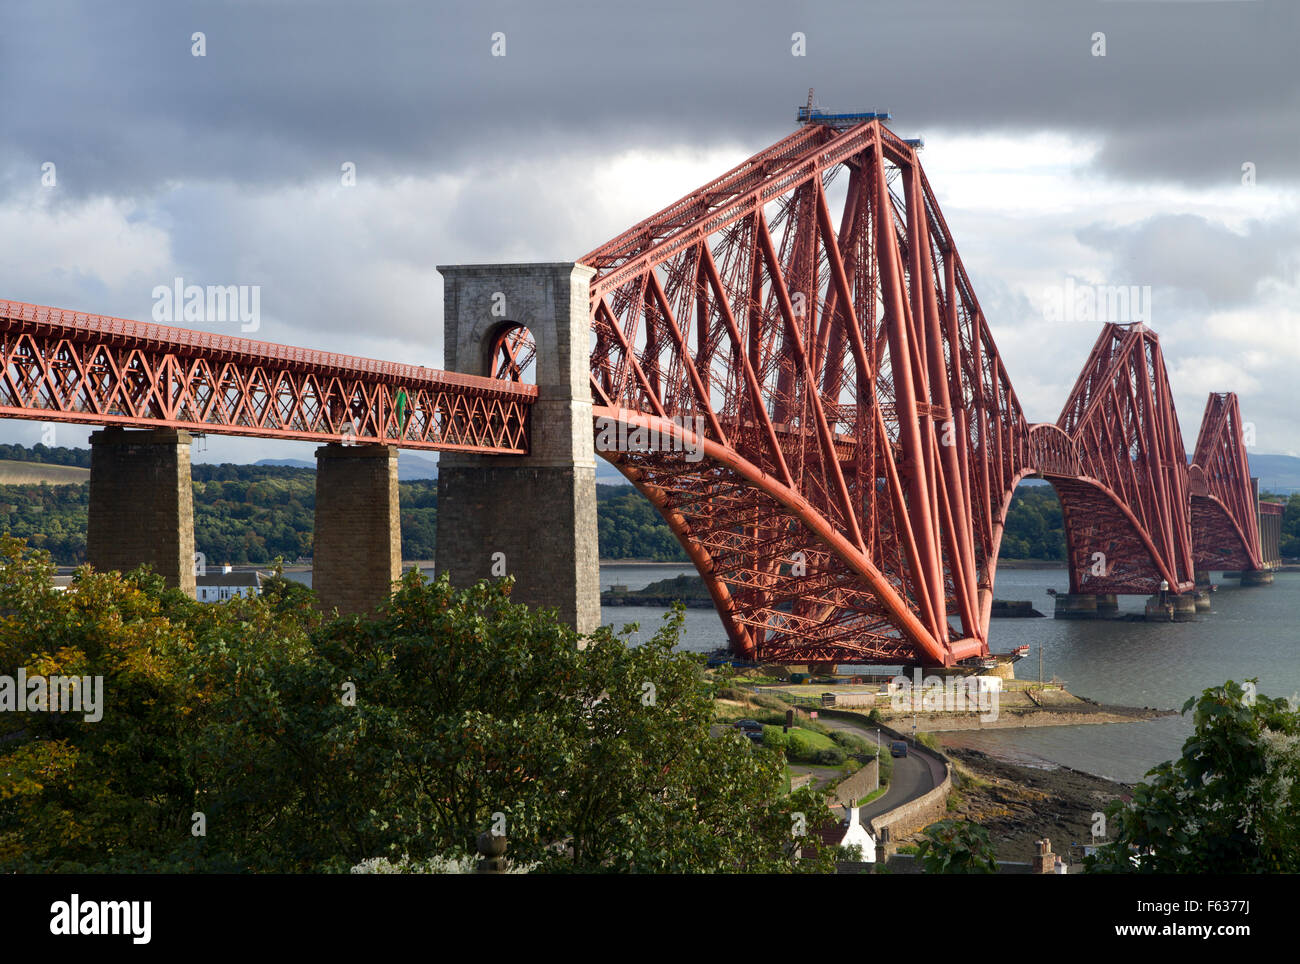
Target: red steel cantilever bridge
(860, 436)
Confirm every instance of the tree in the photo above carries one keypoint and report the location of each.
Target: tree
(304, 743)
(1229, 804)
(112, 794)
(956, 847)
(603, 750)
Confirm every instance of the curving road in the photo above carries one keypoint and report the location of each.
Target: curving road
(914, 775)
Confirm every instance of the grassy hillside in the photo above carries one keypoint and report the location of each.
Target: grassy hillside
(30, 473)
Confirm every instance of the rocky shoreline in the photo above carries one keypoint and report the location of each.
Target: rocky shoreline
(1019, 805)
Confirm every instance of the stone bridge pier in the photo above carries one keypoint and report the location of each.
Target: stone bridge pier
(357, 534)
(142, 511)
(142, 504)
(532, 517)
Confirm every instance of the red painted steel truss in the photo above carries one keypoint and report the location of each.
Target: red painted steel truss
(808, 313)
(811, 397)
(1225, 532)
(73, 367)
(1127, 513)
(804, 385)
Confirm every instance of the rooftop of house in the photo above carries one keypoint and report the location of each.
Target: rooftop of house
(250, 578)
(846, 827)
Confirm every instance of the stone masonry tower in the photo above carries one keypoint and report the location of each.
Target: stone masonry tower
(142, 503)
(534, 516)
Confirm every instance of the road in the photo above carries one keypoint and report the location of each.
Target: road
(914, 775)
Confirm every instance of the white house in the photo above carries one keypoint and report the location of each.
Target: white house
(224, 585)
(851, 832)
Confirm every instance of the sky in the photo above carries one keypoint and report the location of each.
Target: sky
(1148, 143)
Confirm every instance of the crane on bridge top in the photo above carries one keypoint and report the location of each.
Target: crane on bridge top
(810, 114)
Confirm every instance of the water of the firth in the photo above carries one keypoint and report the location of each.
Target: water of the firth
(1252, 632)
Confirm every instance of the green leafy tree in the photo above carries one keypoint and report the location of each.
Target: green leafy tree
(108, 795)
(307, 743)
(596, 758)
(1230, 804)
(956, 847)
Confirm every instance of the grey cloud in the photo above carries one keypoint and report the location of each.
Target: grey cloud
(209, 148)
(1188, 252)
(289, 90)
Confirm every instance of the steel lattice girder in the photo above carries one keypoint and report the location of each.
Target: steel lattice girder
(1133, 468)
(860, 440)
(1225, 531)
(845, 376)
(73, 367)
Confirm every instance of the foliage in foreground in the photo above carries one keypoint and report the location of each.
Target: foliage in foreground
(1229, 805)
(956, 847)
(299, 743)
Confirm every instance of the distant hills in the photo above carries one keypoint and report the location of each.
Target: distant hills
(287, 463)
(413, 467)
(28, 473)
(606, 474)
(1276, 473)
(410, 468)
(253, 513)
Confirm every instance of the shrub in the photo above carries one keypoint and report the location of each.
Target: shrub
(469, 706)
(799, 748)
(956, 847)
(774, 738)
(852, 742)
(433, 865)
(1230, 803)
(851, 853)
(769, 701)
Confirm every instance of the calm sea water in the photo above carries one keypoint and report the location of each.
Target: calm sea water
(1251, 632)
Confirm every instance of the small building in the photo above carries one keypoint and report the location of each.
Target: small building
(225, 585)
(850, 832)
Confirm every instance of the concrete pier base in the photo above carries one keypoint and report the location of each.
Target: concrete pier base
(1159, 609)
(1201, 578)
(1257, 577)
(1107, 606)
(1005, 670)
(1081, 605)
(142, 503)
(1202, 601)
(1173, 608)
(357, 544)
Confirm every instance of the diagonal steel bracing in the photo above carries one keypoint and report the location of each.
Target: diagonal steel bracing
(808, 316)
(845, 439)
(64, 366)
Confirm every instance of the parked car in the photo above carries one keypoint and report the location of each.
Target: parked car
(751, 728)
(898, 748)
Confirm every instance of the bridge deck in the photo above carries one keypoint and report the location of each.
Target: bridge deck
(72, 366)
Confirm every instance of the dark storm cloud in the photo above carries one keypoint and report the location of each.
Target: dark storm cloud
(290, 90)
